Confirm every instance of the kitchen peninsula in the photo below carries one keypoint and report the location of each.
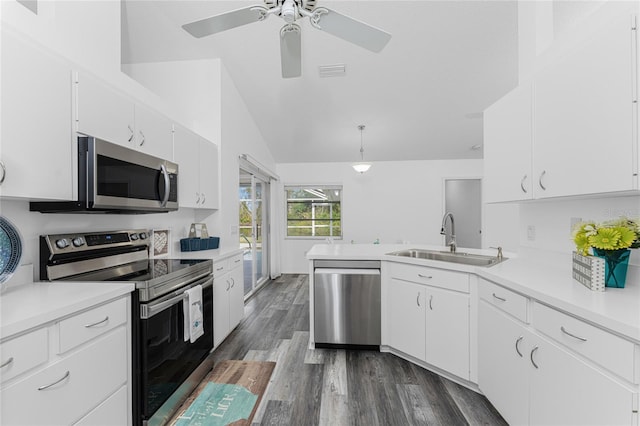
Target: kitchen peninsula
(522, 332)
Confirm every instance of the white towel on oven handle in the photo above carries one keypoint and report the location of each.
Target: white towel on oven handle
(193, 314)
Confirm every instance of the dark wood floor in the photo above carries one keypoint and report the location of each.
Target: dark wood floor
(338, 387)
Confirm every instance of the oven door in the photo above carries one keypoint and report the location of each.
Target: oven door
(166, 360)
(121, 178)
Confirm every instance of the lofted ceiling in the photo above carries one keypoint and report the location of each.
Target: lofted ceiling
(421, 98)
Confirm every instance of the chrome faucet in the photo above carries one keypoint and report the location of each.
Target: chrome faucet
(500, 257)
(452, 244)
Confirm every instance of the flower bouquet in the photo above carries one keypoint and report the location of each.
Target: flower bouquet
(610, 241)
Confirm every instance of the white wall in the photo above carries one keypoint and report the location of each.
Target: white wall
(552, 220)
(394, 201)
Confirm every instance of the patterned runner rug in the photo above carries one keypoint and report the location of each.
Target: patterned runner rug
(230, 394)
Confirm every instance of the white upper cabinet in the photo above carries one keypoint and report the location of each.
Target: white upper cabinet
(583, 117)
(36, 157)
(197, 158)
(105, 113)
(574, 130)
(507, 147)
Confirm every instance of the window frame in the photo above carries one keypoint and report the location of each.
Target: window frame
(288, 187)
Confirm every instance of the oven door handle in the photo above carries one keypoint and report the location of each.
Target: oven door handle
(151, 309)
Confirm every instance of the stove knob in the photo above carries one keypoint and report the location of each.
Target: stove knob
(62, 243)
(143, 235)
(134, 237)
(78, 242)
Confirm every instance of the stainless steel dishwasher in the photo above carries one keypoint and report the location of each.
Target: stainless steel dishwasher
(346, 302)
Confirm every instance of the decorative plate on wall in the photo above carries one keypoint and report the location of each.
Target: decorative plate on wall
(10, 249)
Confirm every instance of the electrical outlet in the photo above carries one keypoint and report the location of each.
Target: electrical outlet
(531, 232)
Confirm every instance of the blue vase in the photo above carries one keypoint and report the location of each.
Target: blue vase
(616, 263)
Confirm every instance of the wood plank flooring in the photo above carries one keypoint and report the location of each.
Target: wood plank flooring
(339, 387)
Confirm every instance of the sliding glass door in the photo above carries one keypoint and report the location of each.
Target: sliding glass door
(253, 230)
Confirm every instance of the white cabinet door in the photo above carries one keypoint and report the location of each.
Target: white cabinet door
(507, 147)
(406, 317)
(583, 117)
(220, 308)
(209, 181)
(36, 148)
(102, 112)
(187, 146)
(566, 391)
(503, 364)
(236, 297)
(447, 330)
(153, 133)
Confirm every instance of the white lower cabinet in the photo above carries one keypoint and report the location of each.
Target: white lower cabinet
(427, 320)
(534, 381)
(87, 384)
(228, 297)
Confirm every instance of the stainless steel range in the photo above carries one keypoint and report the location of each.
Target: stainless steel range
(166, 367)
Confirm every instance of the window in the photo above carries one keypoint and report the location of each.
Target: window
(314, 211)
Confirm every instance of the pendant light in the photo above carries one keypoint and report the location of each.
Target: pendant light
(361, 167)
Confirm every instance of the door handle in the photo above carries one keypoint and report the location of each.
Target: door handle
(418, 299)
(131, 133)
(518, 343)
(204, 198)
(502, 299)
(430, 302)
(522, 184)
(97, 323)
(533, 351)
(143, 138)
(425, 276)
(544, 188)
(7, 362)
(67, 374)
(167, 184)
(582, 339)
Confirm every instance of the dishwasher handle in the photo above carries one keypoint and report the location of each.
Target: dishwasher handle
(345, 271)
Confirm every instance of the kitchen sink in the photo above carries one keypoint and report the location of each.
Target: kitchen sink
(446, 256)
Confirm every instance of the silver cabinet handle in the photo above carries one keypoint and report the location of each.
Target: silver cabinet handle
(66, 375)
(97, 323)
(167, 183)
(237, 261)
(517, 345)
(220, 268)
(522, 184)
(233, 282)
(544, 188)
(502, 299)
(418, 299)
(197, 198)
(143, 138)
(430, 302)
(582, 339)
(7, 362)
(204, 198)
(425, 276)
(131, 133)
(4, 172)
(533, 351)
(228, 285)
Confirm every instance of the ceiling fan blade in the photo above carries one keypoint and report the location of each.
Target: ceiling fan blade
(291, 51)
(225, 21)
(346, 28)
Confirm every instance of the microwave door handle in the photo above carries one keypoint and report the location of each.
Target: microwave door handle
(167, 189)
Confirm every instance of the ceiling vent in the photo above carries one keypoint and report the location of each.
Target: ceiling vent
(339, 70)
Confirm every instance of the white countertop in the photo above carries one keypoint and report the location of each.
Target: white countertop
(30, 305)
(215, 255)
(543, 276)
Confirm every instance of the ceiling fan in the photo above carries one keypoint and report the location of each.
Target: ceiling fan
(322, 18)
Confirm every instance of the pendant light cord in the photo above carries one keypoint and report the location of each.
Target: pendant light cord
(361, 127)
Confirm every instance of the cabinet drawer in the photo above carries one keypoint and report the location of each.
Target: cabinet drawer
(111, 412)
(608, 350)
(220, 268)
(85, 326)
(451, 280)
(23, 353)
(62, 392)
(510, 302)
(235, 261)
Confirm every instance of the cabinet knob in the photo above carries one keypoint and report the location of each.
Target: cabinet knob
(4, 172)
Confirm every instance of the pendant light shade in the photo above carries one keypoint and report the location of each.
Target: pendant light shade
(361, 167)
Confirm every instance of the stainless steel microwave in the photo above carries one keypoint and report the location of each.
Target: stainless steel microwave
(116, 179)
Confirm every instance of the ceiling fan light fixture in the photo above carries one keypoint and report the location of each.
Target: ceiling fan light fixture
(289, 13)
(361, 167)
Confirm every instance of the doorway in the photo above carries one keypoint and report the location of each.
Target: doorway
(253, 227)
(463, 198)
